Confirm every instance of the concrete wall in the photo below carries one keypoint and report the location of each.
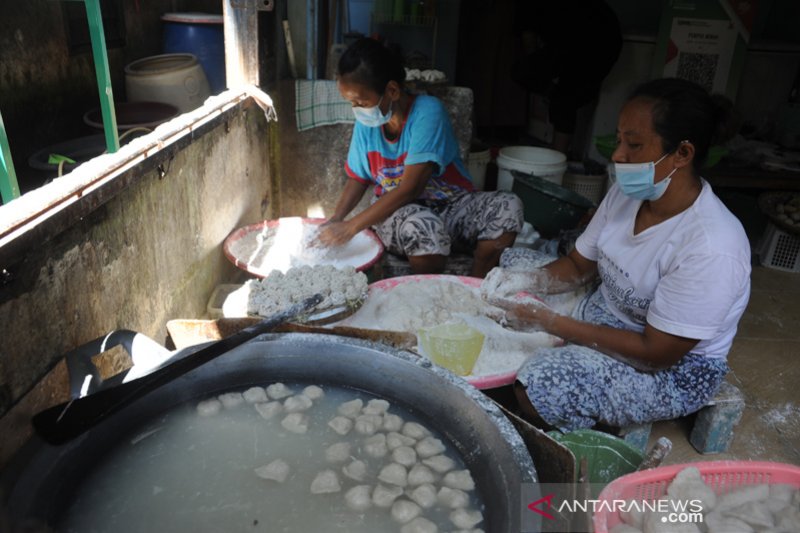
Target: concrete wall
(150, 254)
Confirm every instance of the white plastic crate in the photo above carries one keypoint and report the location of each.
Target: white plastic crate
(592, 187)
(779, 250)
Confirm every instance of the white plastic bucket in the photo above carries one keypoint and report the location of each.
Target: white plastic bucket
(476, 165)
(176, 79)
(542, 162)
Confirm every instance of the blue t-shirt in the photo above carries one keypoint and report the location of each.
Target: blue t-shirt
(426, 136)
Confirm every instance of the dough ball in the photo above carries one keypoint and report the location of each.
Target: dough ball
(352, 408)
(359, 498)
(466, 518)
(452, 498)
(314, 392)
(395, 440)
(277, 470)
(459, 479)
(325, 482)
(404, 455)
(429, 446)
(376, 407)
(405, 511)
(375, 446)
(384, 496)
(419, 525)
(439, 463)
(748, 493)
(269, 409)
(278, 391)
(341, 425)
(368, 424)
(781, 492)
(297, 403)
(295, 422)
(688, 485)
(231, 400)
(633, 515)
(209, 407)
(356, 470)
(394, 474)
(337, 453)
(420, 474)
(392, 422)
(789, 518)
(756, 514)
(414, 430)
(255, 395)
(424, 496)
(657, 522)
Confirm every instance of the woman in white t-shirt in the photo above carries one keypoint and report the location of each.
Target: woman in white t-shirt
(673, 265)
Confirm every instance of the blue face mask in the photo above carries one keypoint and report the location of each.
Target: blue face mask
(637, 180)
(372, 117)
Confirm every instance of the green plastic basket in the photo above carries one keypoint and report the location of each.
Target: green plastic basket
(608, 457)
(548, 206)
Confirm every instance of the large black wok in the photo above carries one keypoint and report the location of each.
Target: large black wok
(41, 482)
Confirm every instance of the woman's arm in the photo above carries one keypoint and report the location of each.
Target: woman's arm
(412, 184)
(562, 275)
(648, 351)
(351, 195)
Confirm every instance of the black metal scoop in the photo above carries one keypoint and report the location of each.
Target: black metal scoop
(66, 421)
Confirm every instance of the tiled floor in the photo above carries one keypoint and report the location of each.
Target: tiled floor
(765, 364)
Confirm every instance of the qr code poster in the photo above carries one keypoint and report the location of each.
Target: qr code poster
(701, 50)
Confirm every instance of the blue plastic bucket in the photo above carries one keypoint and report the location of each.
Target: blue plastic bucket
(200, 34)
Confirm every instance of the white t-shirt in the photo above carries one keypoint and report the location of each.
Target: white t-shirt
(687, 276)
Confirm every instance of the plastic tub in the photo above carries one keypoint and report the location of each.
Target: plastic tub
(548, 206)
(176, 79)
(722, 476)
(476, 165)
(134, 115)
(200, 34)
(542, 162)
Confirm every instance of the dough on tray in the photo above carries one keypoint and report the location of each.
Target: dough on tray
(277, 470)
(325, 482)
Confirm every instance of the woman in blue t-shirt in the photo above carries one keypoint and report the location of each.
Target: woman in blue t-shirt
(403, 147)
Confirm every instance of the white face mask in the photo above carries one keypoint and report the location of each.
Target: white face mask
(372, 117)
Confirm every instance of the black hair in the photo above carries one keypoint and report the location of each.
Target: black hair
(368, 62)
(684, 111)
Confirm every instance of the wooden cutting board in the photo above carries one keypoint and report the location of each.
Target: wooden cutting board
(188, 332)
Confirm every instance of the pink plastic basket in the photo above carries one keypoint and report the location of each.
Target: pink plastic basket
(722, 476)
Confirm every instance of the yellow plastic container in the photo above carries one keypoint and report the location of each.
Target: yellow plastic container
(454, 346)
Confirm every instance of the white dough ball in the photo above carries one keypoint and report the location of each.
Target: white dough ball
(255, 395)
(209, 407)
(439, 463)
(297, 403)
(278, 391)
(231, 400)
(419, 525)
(466, 518)
(375, 446)
(368, 424)
(414, 430)
(395, 440)
(376, 407)
(341, 425)
(394, 474)
(420, 474)
(314, 392)
(404, 455)
(384, 496)
(356, 470)
(429, 446)
(359, 498)
(295, 422)
(352, 408)
(424, 496)
(405, 511)
(459, 479)
(269, 409)
(453, 498)
(277, 470)
(392, 422)
(688, 485)
(337, 453)
(325, 482)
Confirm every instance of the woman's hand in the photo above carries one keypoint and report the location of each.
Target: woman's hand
(530, 315)
(336, 233)
(501, 283)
